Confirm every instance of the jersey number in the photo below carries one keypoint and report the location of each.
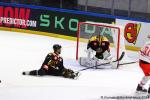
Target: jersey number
(146, 51)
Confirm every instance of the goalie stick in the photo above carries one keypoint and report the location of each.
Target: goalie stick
(123, 64)
(128, 63)
(120, 58)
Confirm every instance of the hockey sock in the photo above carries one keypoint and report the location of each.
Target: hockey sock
(144, 80)
(34, 72)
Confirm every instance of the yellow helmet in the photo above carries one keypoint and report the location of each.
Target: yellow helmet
(102, 38)
(93, 38)
(99, 38)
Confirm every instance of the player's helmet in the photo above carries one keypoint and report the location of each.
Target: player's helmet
(56, 47)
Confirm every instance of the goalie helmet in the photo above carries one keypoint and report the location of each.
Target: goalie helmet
(56, 47)
(104, 38)
(101, 38)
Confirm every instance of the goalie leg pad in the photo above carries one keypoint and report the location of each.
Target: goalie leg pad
(100, 62)
(87, 62)
(114, 65)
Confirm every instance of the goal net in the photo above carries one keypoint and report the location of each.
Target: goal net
(114, 34)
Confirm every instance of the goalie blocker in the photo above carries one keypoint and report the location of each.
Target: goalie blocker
(99, 45)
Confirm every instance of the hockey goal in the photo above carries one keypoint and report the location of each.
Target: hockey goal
(114, 34)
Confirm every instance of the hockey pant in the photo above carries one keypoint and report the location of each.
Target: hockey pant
(42, 72)
(67, 73)
(145, 68)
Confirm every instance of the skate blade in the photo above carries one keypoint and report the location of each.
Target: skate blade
(140, 93)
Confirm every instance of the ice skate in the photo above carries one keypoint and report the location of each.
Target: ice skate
(25, 73)
(140, 89)
(149, 91)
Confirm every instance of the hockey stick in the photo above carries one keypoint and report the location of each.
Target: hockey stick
(129, 63)
(122, 55)
(123, 64)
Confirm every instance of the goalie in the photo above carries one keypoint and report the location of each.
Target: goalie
(100, 46)
(53, 65)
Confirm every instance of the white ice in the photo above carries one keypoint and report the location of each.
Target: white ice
(23, 52)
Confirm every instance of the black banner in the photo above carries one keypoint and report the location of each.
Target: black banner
(44, 19)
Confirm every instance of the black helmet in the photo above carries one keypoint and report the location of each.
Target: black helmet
(56, 47)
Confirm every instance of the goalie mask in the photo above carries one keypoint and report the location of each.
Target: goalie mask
(57, 48)
(101, 38)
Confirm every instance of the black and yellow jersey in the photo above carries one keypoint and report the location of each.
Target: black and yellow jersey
(53, 60)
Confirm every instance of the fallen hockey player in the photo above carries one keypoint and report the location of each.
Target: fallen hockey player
(53, 65)
(100, 46)
(144, 63)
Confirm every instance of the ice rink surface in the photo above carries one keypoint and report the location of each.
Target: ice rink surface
(24, 52)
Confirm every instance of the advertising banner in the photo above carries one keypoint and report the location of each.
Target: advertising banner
(135, 33)
(45, 19)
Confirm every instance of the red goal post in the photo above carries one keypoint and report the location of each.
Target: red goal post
(100, 28)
